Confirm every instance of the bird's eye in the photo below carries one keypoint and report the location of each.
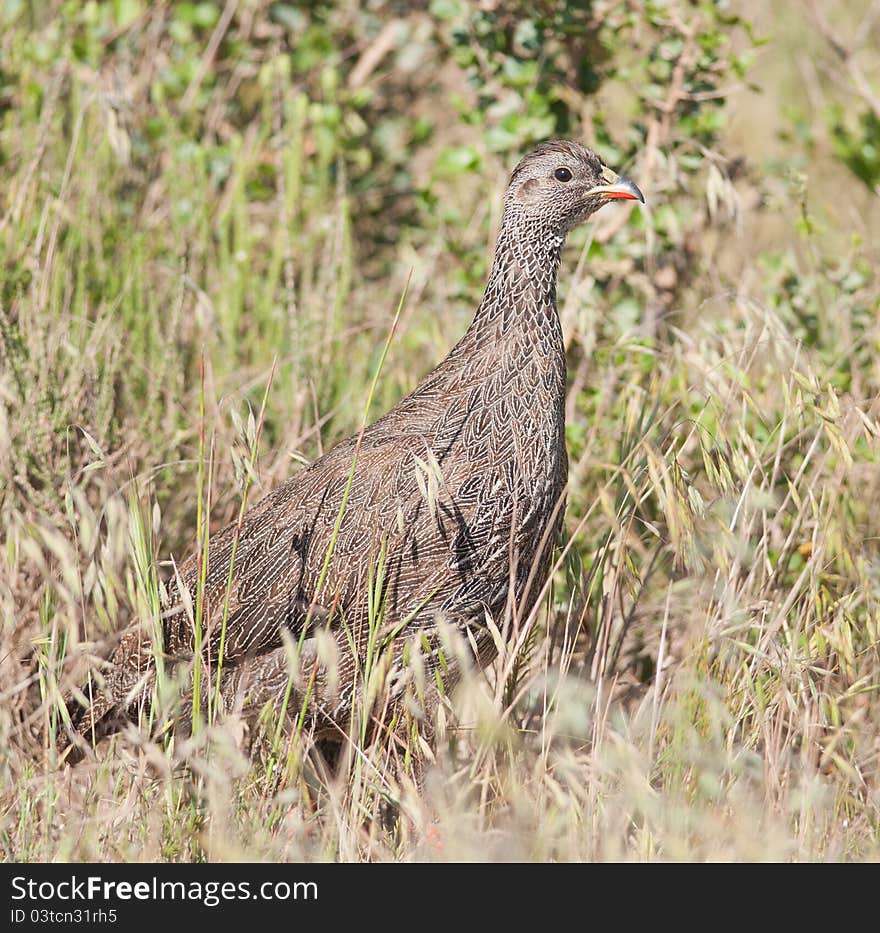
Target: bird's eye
(562, 174)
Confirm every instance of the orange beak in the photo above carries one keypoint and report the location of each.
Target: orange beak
(618, 187)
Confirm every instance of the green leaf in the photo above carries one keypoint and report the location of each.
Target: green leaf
(456, 161)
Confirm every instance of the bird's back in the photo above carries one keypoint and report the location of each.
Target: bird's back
(462, 474)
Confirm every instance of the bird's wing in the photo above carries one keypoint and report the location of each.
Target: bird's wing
(279, 553)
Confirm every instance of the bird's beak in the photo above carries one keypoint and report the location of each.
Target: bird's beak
(617, 187)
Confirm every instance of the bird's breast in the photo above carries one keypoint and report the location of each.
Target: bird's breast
(506, 428)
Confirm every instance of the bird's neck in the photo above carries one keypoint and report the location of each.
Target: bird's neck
(521, 291)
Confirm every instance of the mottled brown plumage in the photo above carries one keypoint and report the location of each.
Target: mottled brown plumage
(457, 495)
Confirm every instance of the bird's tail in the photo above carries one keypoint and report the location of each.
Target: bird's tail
(113, 700)
(87, 726)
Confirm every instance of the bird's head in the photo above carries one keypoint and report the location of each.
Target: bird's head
(559, 184)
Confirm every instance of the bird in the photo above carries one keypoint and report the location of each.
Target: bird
(437, 518)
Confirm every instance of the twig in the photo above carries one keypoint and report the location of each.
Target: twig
(373, 55)
(209, 53)
(847, 55)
